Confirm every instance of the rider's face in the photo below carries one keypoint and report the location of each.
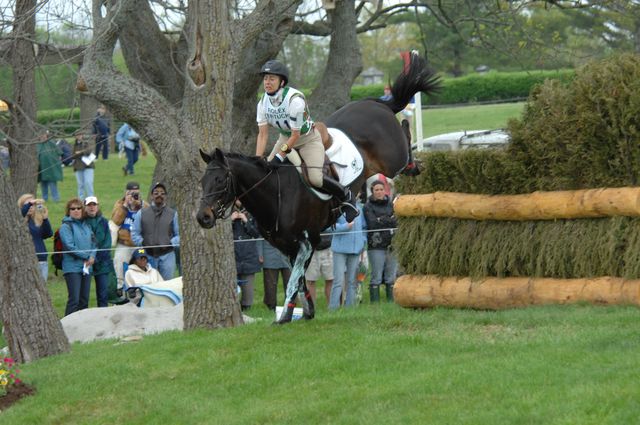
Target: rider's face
(271, 83)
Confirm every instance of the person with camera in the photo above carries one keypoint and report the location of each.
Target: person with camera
(122, 218)
(36, 216)
(246, 252)
(128, 140)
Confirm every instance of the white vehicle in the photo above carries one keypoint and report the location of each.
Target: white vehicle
(457, 140)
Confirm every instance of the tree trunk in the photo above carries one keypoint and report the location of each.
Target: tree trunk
(566, 204)
(510, 292)
(22, 131)
(343, 65)
(31, 328)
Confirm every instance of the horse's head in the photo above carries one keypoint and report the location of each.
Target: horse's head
(218, 192)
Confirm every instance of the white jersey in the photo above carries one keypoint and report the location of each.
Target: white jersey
(290, 114)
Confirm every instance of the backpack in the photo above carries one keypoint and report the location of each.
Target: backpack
(58, 247)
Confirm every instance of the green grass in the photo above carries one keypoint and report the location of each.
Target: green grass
(366, 365)
(380, 364)
(477, 117)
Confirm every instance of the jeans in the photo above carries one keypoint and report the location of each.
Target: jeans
(45, 186)
(44, 269)
(85, 182)
(165, 264)
(384, 266)
(132, 158)
(102, 289)
(79, 288)
(102, 145)
(344, 264)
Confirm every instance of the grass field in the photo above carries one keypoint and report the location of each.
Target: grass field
(366, 365)
(476, 117)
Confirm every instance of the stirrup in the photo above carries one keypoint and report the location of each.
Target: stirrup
(350, 212)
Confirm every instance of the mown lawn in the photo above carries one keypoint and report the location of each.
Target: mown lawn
(366, 365)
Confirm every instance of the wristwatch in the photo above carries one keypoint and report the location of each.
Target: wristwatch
(285, 148)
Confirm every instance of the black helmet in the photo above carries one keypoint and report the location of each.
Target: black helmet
(276, 68)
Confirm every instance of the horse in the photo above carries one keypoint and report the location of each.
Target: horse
(288, 214)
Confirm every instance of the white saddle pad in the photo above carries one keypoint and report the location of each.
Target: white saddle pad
(346, 160)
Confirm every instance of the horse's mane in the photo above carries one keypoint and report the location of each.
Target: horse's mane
(420, 77)
(257, 160)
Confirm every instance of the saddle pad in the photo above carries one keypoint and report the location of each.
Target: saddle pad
(345, 156)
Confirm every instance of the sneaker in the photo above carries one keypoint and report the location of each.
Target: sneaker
(350, 212)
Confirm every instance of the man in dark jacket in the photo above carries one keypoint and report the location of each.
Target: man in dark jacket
(102, 129)
(381, 222)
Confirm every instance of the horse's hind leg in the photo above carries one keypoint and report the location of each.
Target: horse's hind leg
(294, 285)
(308, 307)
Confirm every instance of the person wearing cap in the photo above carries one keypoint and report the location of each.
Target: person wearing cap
(156, 229)
(103, 266)
(122, 218)
(285, 109)
(79, 256)
(140, 272)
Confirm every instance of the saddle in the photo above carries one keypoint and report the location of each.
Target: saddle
(342, 160)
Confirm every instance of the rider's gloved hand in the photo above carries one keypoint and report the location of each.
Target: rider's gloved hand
(277, 160)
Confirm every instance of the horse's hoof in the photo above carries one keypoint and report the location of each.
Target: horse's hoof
(281, 322)
(306, 316)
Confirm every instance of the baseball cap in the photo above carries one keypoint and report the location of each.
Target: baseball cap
(159, 184)
(139, 252)
(133, 186)
(90, 199)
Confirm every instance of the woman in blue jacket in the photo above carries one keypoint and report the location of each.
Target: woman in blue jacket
(347, 244)
(78, 239)
(37, 217)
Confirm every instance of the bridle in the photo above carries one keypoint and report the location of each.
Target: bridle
(222, 207)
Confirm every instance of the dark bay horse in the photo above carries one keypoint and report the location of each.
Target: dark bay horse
(291, 217)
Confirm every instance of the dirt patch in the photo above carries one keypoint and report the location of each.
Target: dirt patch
(14, 393)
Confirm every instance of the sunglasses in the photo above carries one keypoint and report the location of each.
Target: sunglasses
(75, 208)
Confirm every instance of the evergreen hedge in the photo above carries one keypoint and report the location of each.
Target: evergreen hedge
(571, 136)
(491, 86)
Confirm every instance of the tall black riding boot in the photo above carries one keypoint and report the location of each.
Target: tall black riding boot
(374, 293)
(344, 195)
(389, 289)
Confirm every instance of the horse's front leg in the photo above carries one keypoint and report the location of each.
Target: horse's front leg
(297, 283)
(309, 309)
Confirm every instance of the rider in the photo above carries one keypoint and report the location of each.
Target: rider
(285, 109)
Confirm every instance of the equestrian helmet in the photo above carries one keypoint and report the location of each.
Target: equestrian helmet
(276, 68)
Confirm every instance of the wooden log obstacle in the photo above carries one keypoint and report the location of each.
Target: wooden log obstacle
(509, 292)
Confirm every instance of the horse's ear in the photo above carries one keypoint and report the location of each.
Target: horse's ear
(205, 156)
(219, 155)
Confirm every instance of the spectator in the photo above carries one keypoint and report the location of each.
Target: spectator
(389, 186)
(36, 216)
(139, 272)
(50, 167)
(103, 266)
(156, 229)
(83, 165)
(321, 266)
(246, 252)
(347, 244)
(129, 142)
(78, 239)
(387, 93)
(122, 217)
(101, 130)
(67, 152)
(378, 213)
(274, 264)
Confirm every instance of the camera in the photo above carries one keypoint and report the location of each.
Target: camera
(135, 196)
(39, 207)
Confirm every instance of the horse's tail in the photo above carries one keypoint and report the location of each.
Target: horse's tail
(418, 77)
